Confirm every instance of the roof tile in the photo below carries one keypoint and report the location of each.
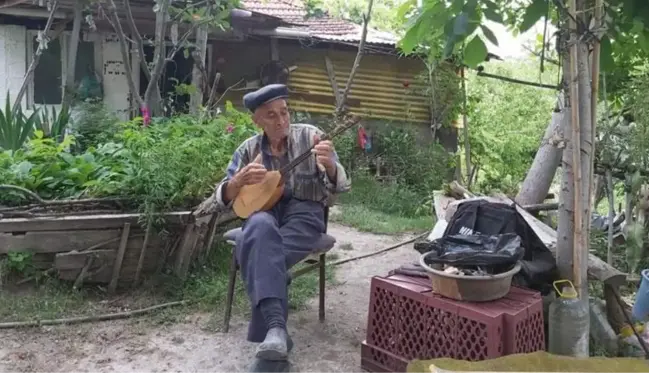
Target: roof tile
(325, 27)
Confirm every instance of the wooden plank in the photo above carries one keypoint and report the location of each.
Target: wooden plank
(140, 261)
(183, 256)
(54, 241)
(51, 242)
(119, 258)
(441, 203)
(70, 265)
(209, 238)
(85, 222)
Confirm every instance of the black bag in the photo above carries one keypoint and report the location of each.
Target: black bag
(495, 250)
(539, 268)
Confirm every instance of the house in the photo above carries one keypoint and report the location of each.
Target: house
(266, 36)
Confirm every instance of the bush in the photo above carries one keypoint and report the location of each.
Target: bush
(414, 171)
(172, 164)
(92, 124)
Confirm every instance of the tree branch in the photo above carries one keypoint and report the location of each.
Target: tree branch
(138, 39)
(342, 105)
(68, 90)
(158, 54)
(545, 58)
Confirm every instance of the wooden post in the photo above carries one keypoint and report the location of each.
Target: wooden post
(184, 254)
(119, 258)
(274, 49)
(331, 73)
(465, 131)
(140, 262)
(576, 153)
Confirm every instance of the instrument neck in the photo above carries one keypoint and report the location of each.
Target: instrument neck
(304, 156)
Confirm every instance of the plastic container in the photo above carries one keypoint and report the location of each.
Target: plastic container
(640, 311)
(469, 288)
(569, 323)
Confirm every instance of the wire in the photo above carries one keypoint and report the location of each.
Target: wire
(517, 81)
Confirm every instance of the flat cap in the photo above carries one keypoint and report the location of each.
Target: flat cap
(264, 95)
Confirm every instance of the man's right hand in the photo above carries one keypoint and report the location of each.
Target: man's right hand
(252, 173)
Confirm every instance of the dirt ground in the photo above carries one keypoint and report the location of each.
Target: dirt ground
(130, 345)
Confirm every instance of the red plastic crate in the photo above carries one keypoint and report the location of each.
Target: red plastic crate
(408, 321)
(374, 359)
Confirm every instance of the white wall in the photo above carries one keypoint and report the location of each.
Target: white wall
(116, 90)
(13, 56)
(14, 61)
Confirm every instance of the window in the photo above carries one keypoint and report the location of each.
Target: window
(49, 75)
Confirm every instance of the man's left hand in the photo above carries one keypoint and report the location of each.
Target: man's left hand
(324, 151)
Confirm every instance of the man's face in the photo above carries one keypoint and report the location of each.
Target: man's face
(273, 118)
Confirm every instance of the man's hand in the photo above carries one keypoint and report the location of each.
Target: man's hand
(252, 173)
(324, 151)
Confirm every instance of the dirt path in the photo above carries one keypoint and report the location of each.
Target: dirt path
(132, 345)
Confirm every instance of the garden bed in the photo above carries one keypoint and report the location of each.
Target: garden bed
(115, 249)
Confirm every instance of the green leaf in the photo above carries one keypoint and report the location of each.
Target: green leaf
(449, 46)
(475, 52)
(492, 15)
(489, 34)
(457, 5)
(409, 40)
(606, 54)
(533, 13)
(460, 24)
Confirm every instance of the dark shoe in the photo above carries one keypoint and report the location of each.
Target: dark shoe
(260, 365)
(275, 346)
(289, 344)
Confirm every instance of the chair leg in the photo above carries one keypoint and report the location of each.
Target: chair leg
(321, 302)
(230, 298)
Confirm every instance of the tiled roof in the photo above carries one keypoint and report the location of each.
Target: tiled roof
(325, 27)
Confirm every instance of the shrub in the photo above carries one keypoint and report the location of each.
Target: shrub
(169, 165)
(414, 171)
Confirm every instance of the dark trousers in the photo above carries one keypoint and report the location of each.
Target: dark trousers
(270, 244)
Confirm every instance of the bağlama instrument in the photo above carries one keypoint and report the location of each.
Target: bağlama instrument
(263, 196)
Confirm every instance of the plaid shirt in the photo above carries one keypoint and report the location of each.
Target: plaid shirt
(306, 180)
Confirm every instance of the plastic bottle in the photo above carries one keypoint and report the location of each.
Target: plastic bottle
(569, 323)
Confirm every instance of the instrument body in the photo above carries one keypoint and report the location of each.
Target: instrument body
(264, 195)
(259, 197)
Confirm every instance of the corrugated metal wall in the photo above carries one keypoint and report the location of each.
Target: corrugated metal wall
(385, 87)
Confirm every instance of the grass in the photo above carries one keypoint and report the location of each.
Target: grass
(368, 220)
(205, 288)
(384, 208)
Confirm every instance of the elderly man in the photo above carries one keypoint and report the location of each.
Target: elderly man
(273, 241)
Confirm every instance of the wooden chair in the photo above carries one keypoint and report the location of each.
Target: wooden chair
(316, 260)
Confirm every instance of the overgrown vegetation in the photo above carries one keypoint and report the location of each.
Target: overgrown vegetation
(401, 199)
(170, 165)
(507, 122)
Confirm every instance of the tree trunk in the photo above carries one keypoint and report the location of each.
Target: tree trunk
(68, 92)
(198, 81)
(539, 178)
(586, 150)
(599, 190)
(159, 54)
(567, 203)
